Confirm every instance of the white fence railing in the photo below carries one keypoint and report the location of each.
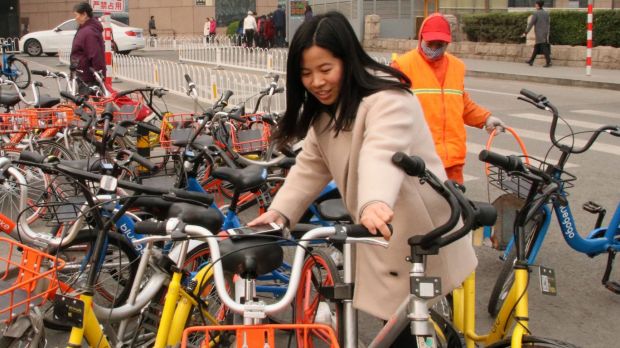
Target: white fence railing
(256, 59)
(13, 42)
(210, 83)
(174, 42)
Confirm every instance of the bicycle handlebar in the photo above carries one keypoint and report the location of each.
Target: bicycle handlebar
(541, 102)
(33, 87)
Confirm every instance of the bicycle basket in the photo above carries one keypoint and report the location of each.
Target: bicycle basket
(43, 118)
(178, 128)
(258, 336)
(27, 278)
(521, 186)
(14, 123)
(252, 136)
(130, 107)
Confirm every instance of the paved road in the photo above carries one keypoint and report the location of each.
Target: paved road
(583, 313)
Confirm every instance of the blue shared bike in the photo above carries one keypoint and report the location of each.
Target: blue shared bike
(14, 68)
(531, 182)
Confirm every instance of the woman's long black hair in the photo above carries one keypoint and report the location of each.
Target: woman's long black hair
(332, 32)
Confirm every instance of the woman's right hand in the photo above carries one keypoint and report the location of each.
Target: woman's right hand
(268, 217)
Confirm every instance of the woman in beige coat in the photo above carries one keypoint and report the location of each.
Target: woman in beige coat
(353, 122)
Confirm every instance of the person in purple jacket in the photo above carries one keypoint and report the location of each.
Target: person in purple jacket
(87, 50)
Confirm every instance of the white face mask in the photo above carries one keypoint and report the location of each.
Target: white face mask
(433, 53)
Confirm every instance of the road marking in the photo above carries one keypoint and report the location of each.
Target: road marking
(476, 148)
(600, 147)
(547, 119)
(468, 178)
(598, 113)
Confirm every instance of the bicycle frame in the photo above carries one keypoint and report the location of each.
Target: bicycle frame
(464, 311)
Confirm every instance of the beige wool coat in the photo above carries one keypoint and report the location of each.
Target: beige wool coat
(359, 161)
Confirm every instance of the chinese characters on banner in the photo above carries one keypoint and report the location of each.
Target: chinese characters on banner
(108, 5)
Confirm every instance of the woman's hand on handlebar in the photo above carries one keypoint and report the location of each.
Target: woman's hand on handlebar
(376, 216)
(268, 217)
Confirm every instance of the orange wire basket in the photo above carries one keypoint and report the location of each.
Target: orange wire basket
(42, 118)
(253, 135)
(131, 107)
(176, 127)
(14, 123)
(259, 336)
(27, 278)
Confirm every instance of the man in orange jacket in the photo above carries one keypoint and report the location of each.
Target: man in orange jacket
(438, 80)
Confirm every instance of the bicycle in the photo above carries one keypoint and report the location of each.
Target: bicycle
(414, 309)
(14, 68)
(602, 239)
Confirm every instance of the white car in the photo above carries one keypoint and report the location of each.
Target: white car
(125, 39)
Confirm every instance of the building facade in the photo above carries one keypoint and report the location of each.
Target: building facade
(183, 17)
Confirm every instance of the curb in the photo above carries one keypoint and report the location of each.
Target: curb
(544, 79)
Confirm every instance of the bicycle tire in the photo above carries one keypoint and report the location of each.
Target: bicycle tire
(21, 71)
(505, 279)
(128, 265)
(37, 182)
(308, 300)
(534, 341)
(448, 336)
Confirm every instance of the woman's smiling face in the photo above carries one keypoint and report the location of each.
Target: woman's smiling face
(321, 74)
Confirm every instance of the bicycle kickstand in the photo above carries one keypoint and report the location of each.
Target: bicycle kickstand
(611, 285)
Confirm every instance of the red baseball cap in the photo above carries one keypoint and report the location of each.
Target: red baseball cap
(436, 28)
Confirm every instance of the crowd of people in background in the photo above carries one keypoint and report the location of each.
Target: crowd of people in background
(264, 31)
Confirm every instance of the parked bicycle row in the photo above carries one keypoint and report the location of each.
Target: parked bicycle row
(133, 256)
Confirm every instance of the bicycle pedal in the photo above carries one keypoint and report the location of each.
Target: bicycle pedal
(592, 207)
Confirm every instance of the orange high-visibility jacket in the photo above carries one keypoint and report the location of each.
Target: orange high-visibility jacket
(447, 108)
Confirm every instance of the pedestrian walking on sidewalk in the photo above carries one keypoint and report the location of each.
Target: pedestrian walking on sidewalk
(87, 49)
(542, 24)
(206, 29)
(249, 29)
(152, 27)
(438, 80)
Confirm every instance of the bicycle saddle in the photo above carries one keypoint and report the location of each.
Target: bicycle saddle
(9, 99)
(251, 257)
(243, 180)
(334, 210)
(47, 101)
(210, 219)
(180, 137)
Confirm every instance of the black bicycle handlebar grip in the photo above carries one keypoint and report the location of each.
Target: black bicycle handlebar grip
(39, 72)
(412, 165)
(188, 79)
(278, 90)
(504, 162)
(31, 156)
(236, 115)
(159, 92)
(486, 214)
(276, 78)
(108, 111)
(531, 95)
(359, 231)
(143, 162)
(150, 127)
(203, 198)
(75, 99)
(227, 94)
(157, 228)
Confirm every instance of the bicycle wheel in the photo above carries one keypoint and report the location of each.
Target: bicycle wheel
(117, 271)
(29, 338)
(51, 148)
(319, 270)
(19, 73)
(534, 341)
(505, 279)
(37, 183)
